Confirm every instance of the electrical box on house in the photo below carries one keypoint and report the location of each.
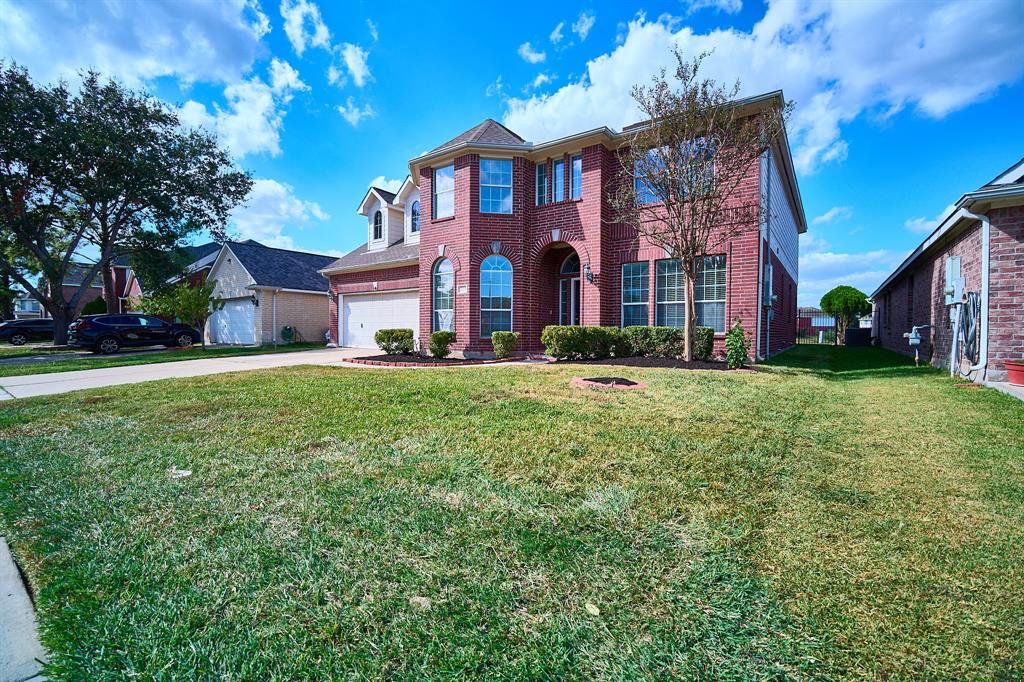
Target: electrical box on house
(954, 290)
(767, 297)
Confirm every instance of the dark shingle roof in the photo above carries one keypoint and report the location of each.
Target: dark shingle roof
(77, 273)
(1018, 181)
(201, 251)
(488, 132)
(281, 268)
(388, 196)
(362, 256)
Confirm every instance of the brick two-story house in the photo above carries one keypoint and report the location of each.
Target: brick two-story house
(491, 232)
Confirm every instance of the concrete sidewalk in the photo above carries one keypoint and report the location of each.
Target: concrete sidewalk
(63, 382)
(21, 654)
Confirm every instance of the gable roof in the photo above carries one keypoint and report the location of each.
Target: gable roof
(487, 132)
(201, 251)
(282, 268)
(386, 197)
(361, 258)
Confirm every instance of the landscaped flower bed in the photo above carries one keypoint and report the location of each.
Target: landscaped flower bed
(413, 360)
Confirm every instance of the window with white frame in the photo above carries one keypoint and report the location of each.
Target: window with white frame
(558, 180)
(542, 184)
(443, 296)
(634, 294)
(495, 185)
(576, 177)
(378, 226)
(414, 217)
(444, 192)
(495, 296)
(669, 294)
(709, 293)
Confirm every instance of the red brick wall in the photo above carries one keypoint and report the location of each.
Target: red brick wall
(1006, 288)
(368, 281)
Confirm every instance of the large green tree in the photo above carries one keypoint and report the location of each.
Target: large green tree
(193, 305)
(846, 304)
(102, 170)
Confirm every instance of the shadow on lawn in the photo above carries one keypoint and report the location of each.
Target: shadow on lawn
(842, 363)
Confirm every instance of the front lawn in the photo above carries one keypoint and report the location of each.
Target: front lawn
(841, 514)
(127, 357)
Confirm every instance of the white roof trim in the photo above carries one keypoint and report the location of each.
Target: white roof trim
(373, 191)
(220, 257)
(1015, 173)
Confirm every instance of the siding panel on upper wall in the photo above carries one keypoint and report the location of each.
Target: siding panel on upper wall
(785, 236)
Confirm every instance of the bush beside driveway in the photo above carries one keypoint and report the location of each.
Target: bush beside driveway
(839, 514)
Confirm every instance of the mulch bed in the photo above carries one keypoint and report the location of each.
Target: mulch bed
(653, 362)
(404, 360)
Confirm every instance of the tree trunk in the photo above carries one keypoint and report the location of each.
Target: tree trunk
(6, 298)
(691, 319)
(109, 294)
(61, 319)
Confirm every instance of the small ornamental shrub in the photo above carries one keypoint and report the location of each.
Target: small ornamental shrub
(395, 341)
(96, 306)
(576, 342)
(703, 343)
(440, 343)
(737, 346)
(504, 343)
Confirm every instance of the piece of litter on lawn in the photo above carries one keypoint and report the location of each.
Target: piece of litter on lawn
(592, 610)
(175, 472)
(421, 603)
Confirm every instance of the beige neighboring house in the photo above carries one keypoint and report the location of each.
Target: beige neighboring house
(265, 290)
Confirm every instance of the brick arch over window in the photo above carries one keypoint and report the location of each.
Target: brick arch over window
(450, 255)
(541, 245)
(514, 256)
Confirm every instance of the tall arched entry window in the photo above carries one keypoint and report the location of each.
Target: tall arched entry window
(495, 296)
(569, 290)
(443, 314)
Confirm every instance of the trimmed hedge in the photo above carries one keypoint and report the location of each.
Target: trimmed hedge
(575, 342)
(440, 343)
(504, 343)
(395, 341)
(670, 342)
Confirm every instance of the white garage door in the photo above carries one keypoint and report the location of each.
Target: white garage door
(365, 314)
(234, 323)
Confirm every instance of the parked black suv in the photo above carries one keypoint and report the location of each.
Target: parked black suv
(109, 333)
(20, 332)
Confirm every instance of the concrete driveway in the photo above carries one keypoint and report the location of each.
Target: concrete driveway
(64, 382)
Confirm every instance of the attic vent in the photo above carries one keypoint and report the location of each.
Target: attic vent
(496, 246)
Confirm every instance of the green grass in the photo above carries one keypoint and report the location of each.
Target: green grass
(838, 515)
(8, 350)
(149, 358)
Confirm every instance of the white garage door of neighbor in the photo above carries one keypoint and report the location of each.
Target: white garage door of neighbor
(365, 314)
(234, 323)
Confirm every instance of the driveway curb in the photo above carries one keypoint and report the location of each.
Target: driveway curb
(21, 653)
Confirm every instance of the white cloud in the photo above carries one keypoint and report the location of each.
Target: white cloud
(541, 79)
(270, 208)
(727, 6)
(531, 55)
(556, 34)
(335, 76)
(837, 60)
(284, 79)
(834, 215)
(495, 89)
(353, 113)
(192, 40)
(304, 26)
(924, 225)
(583, 24)
(355, 61)
(373, 30)
(822, 269)
(392, 185)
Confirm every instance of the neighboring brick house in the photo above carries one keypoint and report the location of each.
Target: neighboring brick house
(491, 232)
(264, 290)
(126, 287)
(949, 273)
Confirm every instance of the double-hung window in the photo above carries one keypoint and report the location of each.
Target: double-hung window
(542, 184)
(576, 177)
(709, 293)
(558, 180)
(495, 185)
(634, 294)
(670, 294)
(444, 192)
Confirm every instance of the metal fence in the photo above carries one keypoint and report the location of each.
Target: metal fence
(814, 326)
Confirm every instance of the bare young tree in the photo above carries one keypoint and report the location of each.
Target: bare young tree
(684, 166)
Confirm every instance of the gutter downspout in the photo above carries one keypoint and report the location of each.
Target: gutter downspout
(273, 314)
(760, 275)
(771, 269)
(986, 229)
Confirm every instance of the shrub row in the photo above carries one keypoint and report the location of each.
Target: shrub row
(575, 342)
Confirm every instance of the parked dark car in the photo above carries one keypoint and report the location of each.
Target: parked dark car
(20, 332)
(110, 333)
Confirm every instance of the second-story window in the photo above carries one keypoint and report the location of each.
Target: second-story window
(444, 192)
(414, 217)
(542, 184)
(576, 177)
(378, 226)
(558, 180)
(495, 185)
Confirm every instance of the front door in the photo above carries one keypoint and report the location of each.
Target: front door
(569, 301)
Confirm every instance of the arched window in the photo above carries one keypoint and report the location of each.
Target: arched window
(495, 296)
(414, 217)
(378, 226)
(443, 296)
(571, 265)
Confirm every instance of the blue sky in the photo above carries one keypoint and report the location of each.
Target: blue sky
(901, 107)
